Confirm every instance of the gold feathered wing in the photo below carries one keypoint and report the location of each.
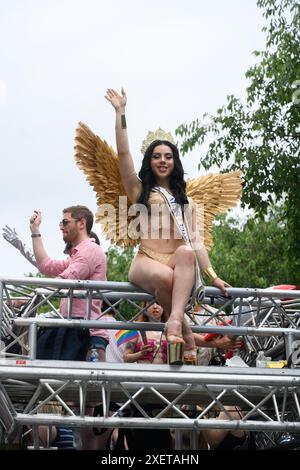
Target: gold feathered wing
(213, 193)
(99, 163)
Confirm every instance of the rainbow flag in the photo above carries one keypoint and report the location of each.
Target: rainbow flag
(122, 336)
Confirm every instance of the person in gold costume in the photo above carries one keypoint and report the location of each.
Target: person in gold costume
(163, 266)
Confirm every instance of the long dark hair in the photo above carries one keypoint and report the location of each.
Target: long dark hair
(177, 183)
(144, 317)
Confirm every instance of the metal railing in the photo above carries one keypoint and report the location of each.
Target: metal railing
(268, 398)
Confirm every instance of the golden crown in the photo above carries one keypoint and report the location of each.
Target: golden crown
(159, 134)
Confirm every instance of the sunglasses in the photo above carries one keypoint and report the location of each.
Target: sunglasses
(65, 222)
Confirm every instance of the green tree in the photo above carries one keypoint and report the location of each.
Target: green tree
(118, 264)
(261, 136)
(254, 255)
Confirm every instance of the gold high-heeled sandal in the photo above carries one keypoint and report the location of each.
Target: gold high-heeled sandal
(175, 346)
(190, 357)
(175, 353)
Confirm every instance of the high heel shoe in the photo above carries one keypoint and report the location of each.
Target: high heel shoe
(190, 357)
(190, 350)
(175, 354)
(175, 346)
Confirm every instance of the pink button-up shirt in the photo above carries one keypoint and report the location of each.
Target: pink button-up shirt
(87, 261)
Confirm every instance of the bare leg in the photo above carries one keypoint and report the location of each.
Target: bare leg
(157, 278)
(171, 285)
(183, 279)
(154, 277)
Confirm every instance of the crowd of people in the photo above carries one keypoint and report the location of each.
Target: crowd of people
(166, 267)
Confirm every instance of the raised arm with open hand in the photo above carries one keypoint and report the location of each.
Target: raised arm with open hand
(118, 101)
(130, 181)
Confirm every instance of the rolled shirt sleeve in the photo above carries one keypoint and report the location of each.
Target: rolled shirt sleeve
(52, 267)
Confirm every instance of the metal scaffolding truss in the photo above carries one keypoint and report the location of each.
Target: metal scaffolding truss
(268, 398)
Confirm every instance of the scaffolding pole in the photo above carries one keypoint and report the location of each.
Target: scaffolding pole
(266, 319)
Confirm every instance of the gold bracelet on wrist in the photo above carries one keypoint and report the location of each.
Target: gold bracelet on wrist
(210, 273)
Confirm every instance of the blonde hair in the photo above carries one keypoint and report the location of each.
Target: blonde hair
(51, 408)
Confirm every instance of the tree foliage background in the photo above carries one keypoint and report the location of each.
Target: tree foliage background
(118, 264)
(261, 136)
(245, 256)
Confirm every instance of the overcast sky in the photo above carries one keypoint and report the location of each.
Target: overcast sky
(176, 59)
